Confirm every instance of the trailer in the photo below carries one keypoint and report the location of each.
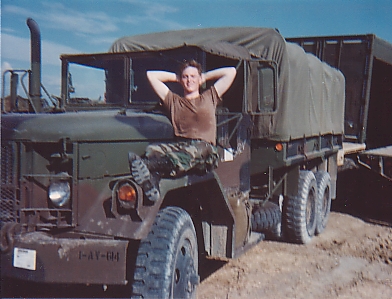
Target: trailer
(366, 62)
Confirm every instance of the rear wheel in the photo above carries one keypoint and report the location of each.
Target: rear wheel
(167, 260)
(323, 200)
(300, 212)
(266, 219)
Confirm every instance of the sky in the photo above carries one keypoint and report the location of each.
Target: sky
(91, 26)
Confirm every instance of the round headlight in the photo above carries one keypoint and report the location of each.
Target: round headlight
(59, 193)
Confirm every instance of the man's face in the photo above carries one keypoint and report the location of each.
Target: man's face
(190, 79)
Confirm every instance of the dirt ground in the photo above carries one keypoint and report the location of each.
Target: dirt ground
(350, 259)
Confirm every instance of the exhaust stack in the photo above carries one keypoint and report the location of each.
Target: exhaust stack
(35, 75)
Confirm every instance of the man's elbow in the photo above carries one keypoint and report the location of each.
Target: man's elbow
(231, 72)
(153, 77)
(150, 75)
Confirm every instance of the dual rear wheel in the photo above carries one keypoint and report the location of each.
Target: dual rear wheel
(306, 214)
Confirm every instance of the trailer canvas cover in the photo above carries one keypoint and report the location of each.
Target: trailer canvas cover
(310, 92)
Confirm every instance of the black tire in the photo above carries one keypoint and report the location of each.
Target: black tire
(323, 200)
(299, 213)
(167, 259)
(267, 220)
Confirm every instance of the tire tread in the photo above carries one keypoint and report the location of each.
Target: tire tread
(294, 211)
(152, 258)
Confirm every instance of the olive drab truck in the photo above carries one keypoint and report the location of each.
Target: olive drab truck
(71, 211)
(366, 62)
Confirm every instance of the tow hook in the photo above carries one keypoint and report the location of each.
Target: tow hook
(7, 236)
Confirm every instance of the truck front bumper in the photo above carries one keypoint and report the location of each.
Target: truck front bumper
(40, 257)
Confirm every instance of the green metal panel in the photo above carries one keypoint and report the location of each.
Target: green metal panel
(98, 160)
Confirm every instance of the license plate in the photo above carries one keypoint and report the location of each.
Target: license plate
(25, 258)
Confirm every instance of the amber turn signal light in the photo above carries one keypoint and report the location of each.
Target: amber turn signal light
(279, 147)
(127, 193)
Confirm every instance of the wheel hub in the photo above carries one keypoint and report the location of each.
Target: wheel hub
(185, 277)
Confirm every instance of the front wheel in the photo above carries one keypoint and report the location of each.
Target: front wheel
(300, 212)
(167, 259)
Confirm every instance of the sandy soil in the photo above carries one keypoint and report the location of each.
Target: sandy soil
(350, 259)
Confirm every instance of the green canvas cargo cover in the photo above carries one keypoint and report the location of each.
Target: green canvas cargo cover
(310, 93)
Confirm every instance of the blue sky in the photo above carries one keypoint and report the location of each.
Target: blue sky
(86, 26)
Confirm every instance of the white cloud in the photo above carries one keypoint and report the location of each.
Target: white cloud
(103, 41)
(5, 66)
(14, 48)
(13, 9)
(15, 54)
(17, 48)
(52, 82)
(59, 16)
(51, 52)
(87, 23)
(98, 27)
(154, 13)
(8, 30)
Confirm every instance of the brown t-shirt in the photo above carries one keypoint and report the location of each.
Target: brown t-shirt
(194, 119)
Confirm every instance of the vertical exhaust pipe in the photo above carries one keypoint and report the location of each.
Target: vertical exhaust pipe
(35, 76)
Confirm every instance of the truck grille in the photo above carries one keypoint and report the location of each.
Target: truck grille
(8, 199)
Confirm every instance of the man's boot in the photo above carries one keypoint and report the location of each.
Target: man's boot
(142, 176)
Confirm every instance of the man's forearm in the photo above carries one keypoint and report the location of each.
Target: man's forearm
(158, 79)
(224, 78)
(162, 76)
(218, 73)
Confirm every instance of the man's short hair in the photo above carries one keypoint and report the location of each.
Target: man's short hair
(192, 63)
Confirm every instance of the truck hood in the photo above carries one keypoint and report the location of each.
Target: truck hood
(86, 126)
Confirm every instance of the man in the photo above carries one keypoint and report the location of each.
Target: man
(193, 119)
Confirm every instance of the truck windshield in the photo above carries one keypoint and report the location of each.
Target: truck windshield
(86, 84)
(98, 80)
(118, 79)
(112, 80)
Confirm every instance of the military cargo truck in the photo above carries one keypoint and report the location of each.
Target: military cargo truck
(72, 213)
(366, 62)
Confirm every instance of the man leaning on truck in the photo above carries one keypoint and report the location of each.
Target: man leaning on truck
(193, 118)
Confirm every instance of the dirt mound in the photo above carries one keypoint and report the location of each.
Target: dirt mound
(351, 259)
(349, 236)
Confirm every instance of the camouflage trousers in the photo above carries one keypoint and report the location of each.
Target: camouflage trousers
(186, 155)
